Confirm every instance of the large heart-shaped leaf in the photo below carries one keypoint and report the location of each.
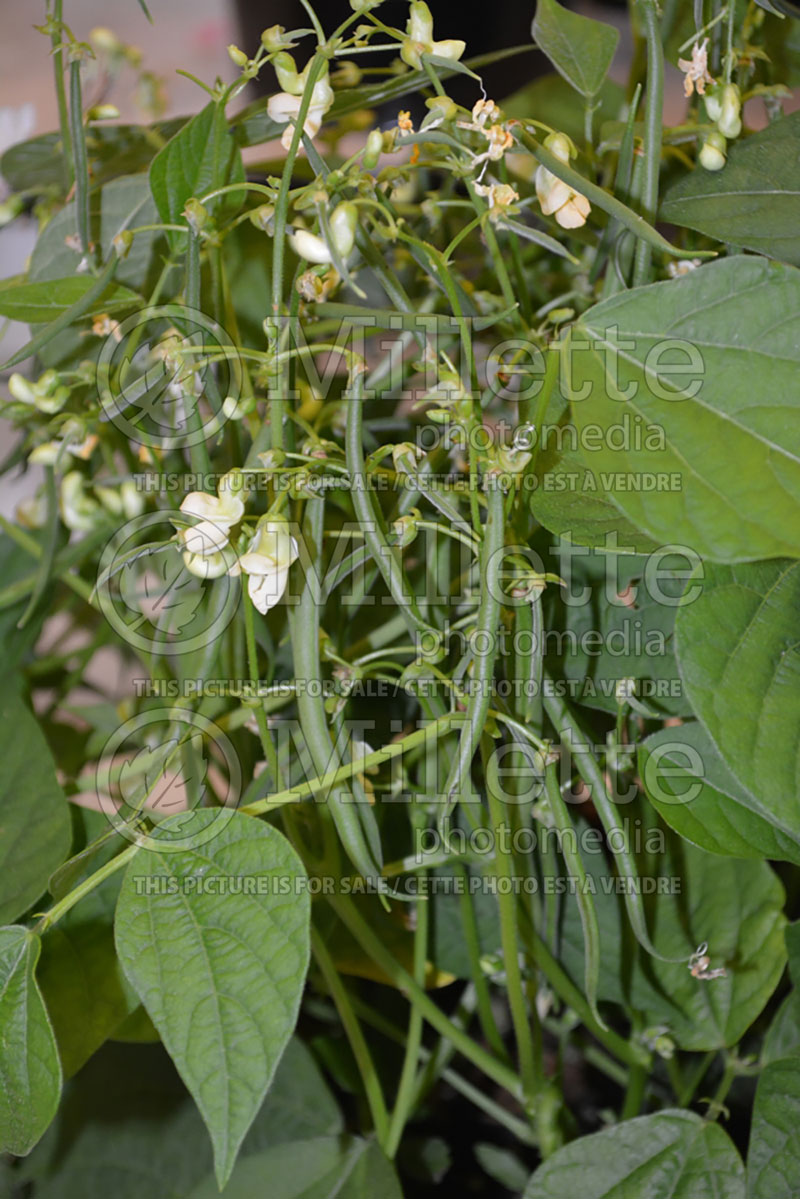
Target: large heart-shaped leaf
(215, 940)
(34, 815)
(690, 786)
(738, 650)
(754, 200)
(711, 360)
(773, 1155)
(580, 48)
(671, 1155)
(30, 1072)
(127, 1127)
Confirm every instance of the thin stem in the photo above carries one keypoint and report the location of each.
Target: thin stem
(55, 913)
(654, 105)
(355, 1036)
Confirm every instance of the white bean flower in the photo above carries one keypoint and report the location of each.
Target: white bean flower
(419, 38)
(557, 198)
(216, 515)
(267, 562)
(284, 108)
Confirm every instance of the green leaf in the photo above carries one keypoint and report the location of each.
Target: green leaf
(202, 156)
(128, 1128)
(84, 989)
(347, 1168)
(773, 1156)
(30, 1071)
(34, 815)
(220, 974)
(783, 1035)
(39, 303)
(580, 49)
(671, 1155)
(124, 203)
(727, 480)
(551, 99)
(622, 629)
(739, 656)
(735, 905)
(692, 789)
(566, 499)
(113, 150)
(753, 201)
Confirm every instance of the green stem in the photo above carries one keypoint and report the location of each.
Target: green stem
(374, 947)
(61, 92)
(355, 1036)
(55, 913)
(654, 106)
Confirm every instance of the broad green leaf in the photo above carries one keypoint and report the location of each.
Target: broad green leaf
(580, 48)
(567, 500)
(735, 905)
(124, 203)
(710, 359)
(551, 99)
(219, 969)
(112, 149)
(738, 649)
(202, 156)
(622, 629)
(39, 303)
(128, 1128)
(783, 1035)
(34, 815)
(15, 644)
(30, 1072)
(671, 1155)
(754, 200)
(84, 989)
(773, 1155)
(693, 790)
(326, 1166)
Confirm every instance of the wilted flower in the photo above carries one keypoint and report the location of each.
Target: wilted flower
(500, 197)
(696, 69)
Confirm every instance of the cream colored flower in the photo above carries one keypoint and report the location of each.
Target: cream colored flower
(419, 38)
(216, 516)
(557, 198)
(267, 562)
(285, 108)
(78, 510)
(696, 69)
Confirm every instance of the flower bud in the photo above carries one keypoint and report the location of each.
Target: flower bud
(442, 107)
(307, 245)
(195, 215)
(729, 122)
(712, 155)
(273, 38)
(343, 227)
(263, 218)
(286, 71)
(404, 530)
(237, 56)
(103, 112)
(373, 149)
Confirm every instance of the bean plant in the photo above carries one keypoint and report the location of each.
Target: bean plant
(401, 666)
